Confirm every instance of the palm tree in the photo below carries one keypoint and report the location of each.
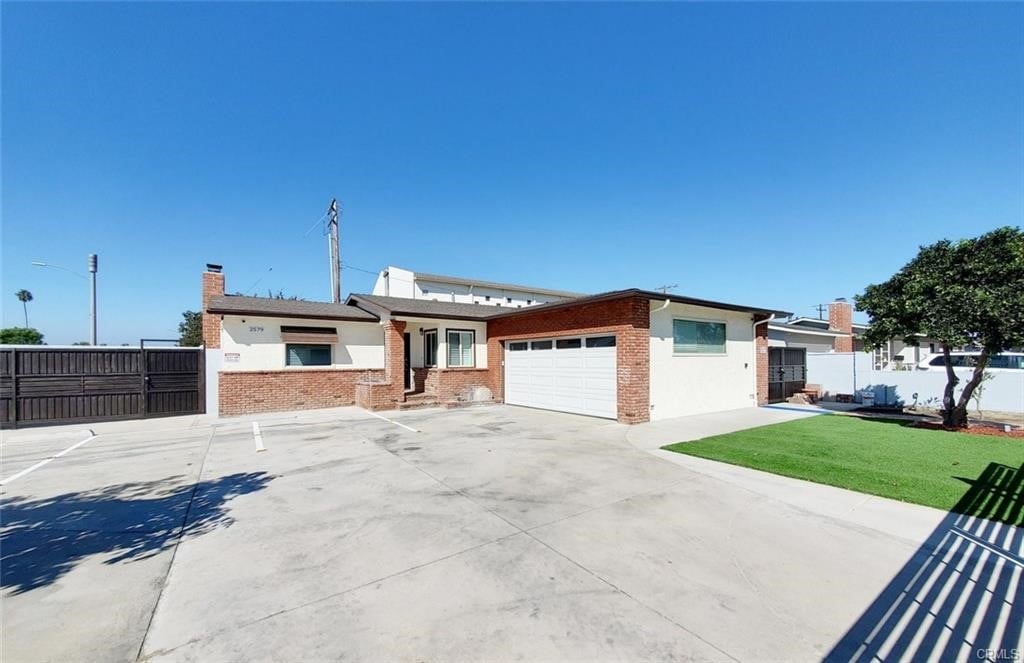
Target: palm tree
(24, 296)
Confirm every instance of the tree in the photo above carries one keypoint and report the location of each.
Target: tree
(191, 329)
(20, 336)
(964, 293)
(24, 296)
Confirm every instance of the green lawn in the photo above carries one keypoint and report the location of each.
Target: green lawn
(887, 458)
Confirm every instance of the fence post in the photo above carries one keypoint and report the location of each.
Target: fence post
(13, 410)
(143, 397)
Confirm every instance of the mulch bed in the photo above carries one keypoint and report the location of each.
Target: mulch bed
(973, 429)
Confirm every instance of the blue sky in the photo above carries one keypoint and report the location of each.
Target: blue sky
(776, 155)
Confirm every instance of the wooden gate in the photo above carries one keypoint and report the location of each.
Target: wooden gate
(40, 386)
(787, 372)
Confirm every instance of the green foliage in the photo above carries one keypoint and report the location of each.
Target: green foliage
(190, 329)
(879, 457)
(20, 336)
(24, 296)
(969, 292)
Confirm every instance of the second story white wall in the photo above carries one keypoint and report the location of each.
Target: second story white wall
(398, 282)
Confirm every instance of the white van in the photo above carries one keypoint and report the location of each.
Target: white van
(1003, 361)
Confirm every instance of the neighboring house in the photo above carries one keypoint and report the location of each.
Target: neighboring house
(398, 282)
(840, 334)
(631, 355)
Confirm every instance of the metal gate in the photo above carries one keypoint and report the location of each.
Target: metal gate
(787, 372)
(74, 385)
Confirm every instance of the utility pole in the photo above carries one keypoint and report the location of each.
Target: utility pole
(665, 288)
(821, 308)
(332, 226)
(93, 264)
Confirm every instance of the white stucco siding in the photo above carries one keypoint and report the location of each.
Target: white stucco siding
(693, 384)
(250, 343)
(414, 326)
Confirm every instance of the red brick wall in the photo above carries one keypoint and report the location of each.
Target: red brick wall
(213, 284)
(628, 318)
(246, 392)
(761, 362)
(449, 384)
(840, 318)
(377, 396)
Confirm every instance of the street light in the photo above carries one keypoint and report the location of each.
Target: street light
(93, 264)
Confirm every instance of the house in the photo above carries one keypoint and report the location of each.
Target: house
(630, 355)
(398, 282)
(840, 334)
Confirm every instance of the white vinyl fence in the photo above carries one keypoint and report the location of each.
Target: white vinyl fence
(851, 372)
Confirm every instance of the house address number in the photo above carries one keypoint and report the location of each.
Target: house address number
(256, 330)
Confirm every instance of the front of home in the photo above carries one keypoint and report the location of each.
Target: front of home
(629, 355)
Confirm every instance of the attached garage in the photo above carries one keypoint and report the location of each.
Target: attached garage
(575, 374)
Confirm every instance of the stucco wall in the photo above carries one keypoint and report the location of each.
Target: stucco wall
(257, 343)
(442, 326)
(693, 384)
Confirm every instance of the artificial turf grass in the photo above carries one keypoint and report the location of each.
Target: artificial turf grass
(876, 456)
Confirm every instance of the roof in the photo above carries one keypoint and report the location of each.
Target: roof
(426, 308)
(818, 323)
(422, 308)
(802, 329)
(649, 294)
(458, 280)
(287, 308)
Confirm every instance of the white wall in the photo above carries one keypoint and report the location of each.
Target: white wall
(213, 365)
(413, 327)
(403, 283)
(257, 343)
(693, 384)
(847, 372)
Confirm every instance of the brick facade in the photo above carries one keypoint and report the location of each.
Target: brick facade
(248, 392)
(452, 384)
(761, 362)
(388, 391)
(840, 319)
(628, 318)
(213, 284)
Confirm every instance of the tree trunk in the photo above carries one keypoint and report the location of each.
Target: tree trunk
(948, 400)
(959, 418)
(24, 307)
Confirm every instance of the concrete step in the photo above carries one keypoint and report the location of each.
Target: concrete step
(413, 403)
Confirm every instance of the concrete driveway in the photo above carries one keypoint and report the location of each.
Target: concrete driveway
(494, 533)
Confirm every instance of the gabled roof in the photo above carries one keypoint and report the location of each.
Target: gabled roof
(648, 294)
(287, 308)
(421, 308)
(458, 280)
(425, 308)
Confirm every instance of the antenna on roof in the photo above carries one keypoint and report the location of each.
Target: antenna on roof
(665, 288)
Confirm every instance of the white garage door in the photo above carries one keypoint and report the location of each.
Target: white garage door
(567, 374)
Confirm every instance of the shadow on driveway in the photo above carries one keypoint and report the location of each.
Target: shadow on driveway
(41, 540)
(961, 596)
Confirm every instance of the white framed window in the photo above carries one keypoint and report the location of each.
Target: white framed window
(691, 337)
(430, 348)
(460, 348)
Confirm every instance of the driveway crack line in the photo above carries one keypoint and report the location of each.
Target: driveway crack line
(177, 544)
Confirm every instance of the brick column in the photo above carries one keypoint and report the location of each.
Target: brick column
(633, 352)
(394, 358)
(761, 362)
(840, 319)
(213, 285)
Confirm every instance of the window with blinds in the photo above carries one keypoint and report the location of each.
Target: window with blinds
(305, 354)
(460, 348)
(698, 337)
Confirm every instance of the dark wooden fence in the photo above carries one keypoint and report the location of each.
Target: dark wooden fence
(66, 385)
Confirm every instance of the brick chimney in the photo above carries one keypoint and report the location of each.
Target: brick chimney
(840, 319)
(213, 285)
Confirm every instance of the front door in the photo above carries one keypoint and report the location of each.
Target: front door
(408, 359)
